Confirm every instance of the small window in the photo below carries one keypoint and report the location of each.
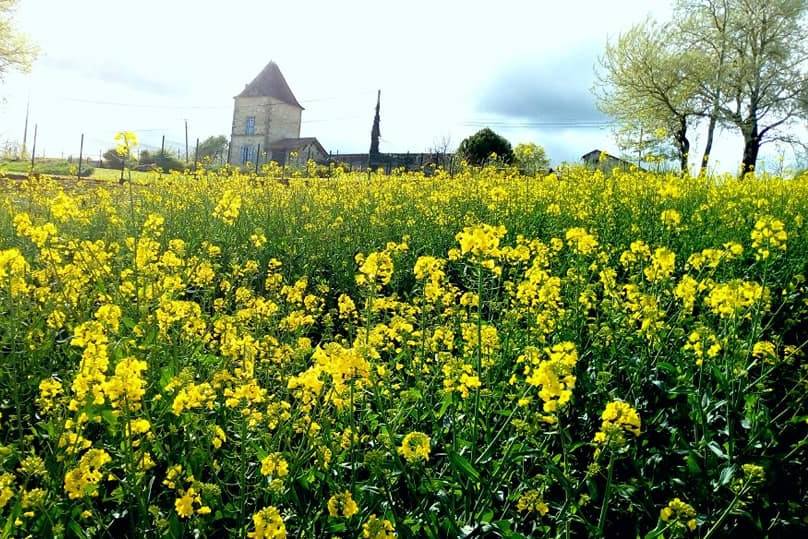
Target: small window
(249, 129)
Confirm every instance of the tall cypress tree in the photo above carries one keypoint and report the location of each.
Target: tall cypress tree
(375, 133)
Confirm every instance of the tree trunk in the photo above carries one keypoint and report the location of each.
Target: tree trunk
(751, 148)
(683, 144)
(705, 159)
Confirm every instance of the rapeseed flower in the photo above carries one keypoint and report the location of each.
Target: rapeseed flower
(415, 447)
(378, 528)
(342, 505)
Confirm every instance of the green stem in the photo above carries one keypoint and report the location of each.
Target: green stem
(606, 493)
(478, 356)
(718, 523)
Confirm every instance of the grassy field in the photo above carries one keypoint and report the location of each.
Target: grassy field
(476, 355)
(60, 167)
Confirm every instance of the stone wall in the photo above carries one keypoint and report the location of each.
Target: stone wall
(274, 120)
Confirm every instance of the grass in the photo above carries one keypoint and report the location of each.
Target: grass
(61, 167)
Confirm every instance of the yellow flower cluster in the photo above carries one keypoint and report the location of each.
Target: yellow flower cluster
(480, 241)
(342, 504)
(268, 524)
(347, 370)
(531, 501)
(459, 377)
(553, 375)
(736, 297)
(184, 505)
(274, 466)
(671, 218)
(581, 241)
(6, 492)
(702, 343)
(769, 234)
(125, 389)
(662, 265)
(679, 514)
(415, 447)
(378, 528)
(619, 419)
(13, 267)
(228, 208)
(84, 478)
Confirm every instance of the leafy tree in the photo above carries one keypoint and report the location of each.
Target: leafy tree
(112, 159)
(531, 158)
(646, 80)
(213, 148)
(739, 63)
(704, 28)
(477, 148)
(644, 143)
(15, 50)
(763, 83)
(163, 160)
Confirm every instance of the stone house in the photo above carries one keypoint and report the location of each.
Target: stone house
(266, 123)
(604, 161)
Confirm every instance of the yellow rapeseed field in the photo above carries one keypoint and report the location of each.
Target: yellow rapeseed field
(479, 354)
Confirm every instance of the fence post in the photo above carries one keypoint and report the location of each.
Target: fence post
(257, 157)
(81, 154)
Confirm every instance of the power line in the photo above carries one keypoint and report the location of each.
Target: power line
(185, 107)
(559, 123)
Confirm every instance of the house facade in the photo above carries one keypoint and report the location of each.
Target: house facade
(266, 123)
(606, 162)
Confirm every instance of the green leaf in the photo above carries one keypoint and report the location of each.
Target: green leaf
(656, 532)
(726, 475)
(110, 418)
(74, 527)
(462, 464)
(693, 464)
(716, 449)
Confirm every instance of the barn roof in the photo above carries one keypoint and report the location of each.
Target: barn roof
(270, 83)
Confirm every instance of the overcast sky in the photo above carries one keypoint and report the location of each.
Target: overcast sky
(445, 69)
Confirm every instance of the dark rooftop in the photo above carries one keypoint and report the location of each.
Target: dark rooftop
(270, 83)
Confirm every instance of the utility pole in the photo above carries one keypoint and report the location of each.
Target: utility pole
(33, 153)
(186, 141)
(25, 133)
(81, 152)
(163, 146)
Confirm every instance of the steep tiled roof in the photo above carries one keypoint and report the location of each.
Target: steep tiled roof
(270, 83)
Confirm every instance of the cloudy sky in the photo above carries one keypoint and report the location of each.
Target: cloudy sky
(445, 70)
